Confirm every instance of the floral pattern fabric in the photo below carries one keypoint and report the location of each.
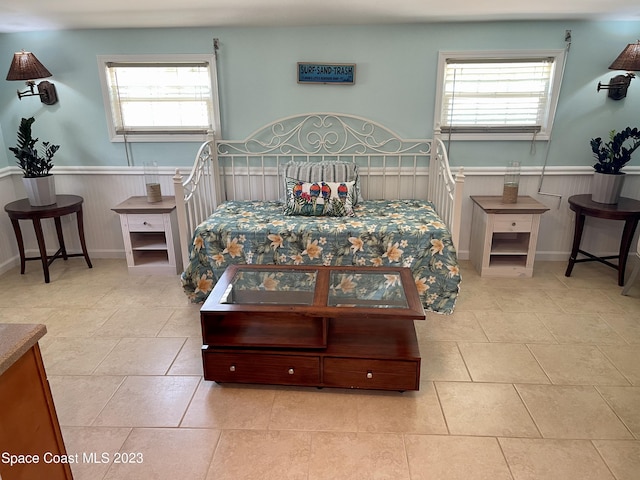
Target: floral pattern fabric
(373, 289)
(405, 233)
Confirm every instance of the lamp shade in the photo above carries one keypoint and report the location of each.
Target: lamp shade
(25, 66)
(629, 59)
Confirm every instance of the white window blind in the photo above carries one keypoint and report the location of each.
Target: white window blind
(502, 96)
(172, 99)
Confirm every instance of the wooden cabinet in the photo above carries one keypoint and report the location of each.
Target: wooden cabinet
(260, 336)
(29, 426)
(504, 236)
(150, 236)
(372, 354)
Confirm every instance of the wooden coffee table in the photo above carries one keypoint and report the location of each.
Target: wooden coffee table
(349, 327)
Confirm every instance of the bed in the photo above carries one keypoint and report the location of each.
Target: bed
(322, 189)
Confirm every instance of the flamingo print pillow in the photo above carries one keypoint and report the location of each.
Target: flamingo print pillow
(332, 199)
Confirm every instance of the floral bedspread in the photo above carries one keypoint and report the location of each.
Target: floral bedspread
(405, 233)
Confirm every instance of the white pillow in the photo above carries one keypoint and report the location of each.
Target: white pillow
(331, 199)
(323, 171)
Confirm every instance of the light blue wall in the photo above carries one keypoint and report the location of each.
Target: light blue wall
(395, 84)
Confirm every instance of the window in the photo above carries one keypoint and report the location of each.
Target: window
(498, 95)
(160, 98)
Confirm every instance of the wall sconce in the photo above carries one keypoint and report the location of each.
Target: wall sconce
(628, 60)
(25, 66)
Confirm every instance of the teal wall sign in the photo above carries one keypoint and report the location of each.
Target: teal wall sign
(334, 73)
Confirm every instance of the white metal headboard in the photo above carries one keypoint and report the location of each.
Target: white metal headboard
(390, 167)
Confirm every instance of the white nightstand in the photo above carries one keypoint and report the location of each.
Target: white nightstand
(504, 236)
(150, 235)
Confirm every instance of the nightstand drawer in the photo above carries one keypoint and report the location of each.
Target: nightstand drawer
(513, 223)
(140, 222)
(374, 374)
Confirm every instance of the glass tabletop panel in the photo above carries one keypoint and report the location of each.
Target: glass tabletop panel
(284, 287)
(369, 290)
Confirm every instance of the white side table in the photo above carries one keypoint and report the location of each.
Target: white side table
(504, 236)
(150, 235)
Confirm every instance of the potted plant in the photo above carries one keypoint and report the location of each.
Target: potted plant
(35, 165)
(611, 157)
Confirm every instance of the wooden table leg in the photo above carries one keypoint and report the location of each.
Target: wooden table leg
(80, 221)
(16, 229)
(63, 249)
(37, 226)
(625, 245)
(577, 236)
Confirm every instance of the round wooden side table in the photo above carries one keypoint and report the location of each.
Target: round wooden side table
(65, 205)
(627, 210)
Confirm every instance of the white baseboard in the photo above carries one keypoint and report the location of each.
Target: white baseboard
(9, 264)
(14, 262)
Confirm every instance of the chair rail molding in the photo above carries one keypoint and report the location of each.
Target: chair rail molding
(102, 187)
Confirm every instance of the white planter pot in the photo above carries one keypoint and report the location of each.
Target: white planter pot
(606, 187)
(41, 191)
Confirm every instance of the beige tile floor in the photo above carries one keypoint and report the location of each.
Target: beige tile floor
(529, 379)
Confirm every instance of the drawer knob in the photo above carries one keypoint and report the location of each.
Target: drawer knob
(232, 368)
(513, 224)
(145, 223)
(291, 372)
(369, 374)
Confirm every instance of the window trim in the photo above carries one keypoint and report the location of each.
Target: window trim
(114, 136)
(556, 81)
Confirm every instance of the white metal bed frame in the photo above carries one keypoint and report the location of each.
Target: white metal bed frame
(390, 167)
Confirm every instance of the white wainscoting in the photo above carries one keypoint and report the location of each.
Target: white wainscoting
(555, 238)
(103, 188)
(8, 247)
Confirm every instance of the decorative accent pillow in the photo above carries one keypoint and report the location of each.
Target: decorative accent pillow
(323, 171)
(332, 199)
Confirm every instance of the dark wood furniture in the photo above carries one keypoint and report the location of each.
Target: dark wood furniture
(627, 210)
(65, 205)
(338, 328)
(28, 422)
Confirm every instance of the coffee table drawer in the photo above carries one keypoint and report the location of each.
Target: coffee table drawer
(261, 368)
(374, 374)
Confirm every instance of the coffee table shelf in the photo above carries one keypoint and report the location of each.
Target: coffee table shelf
(265, 330)
(333, 336)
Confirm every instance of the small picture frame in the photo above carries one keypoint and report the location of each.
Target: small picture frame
(327, 73)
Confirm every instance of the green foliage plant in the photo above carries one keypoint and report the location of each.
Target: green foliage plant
(30, 160)
(613, 155)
